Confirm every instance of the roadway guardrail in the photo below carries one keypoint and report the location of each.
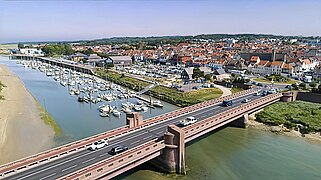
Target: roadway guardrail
(73, 147)
(227, 116)
(114, 163)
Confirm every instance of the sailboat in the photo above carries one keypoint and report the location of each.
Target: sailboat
(116, 113)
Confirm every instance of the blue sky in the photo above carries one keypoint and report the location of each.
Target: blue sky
(42, 20)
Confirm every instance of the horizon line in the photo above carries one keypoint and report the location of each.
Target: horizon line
(93, 39)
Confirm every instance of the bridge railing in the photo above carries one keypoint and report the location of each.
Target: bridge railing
(227, 116)
(54, 153)
(195, 107)
(114, 163)
(73, 147)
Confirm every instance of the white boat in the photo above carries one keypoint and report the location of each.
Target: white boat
(72, 92)
(116, 113)
(139, 102)
(49, 74)
(63, 83)
(157, 103)
(126, 110)
(144, 108)
(137, 108)
(104, 114)
(76, 92)
(106, 109)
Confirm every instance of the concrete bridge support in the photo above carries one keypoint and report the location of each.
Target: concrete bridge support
(289, 96)
(134, 119)
(241, 122)
(172, 159)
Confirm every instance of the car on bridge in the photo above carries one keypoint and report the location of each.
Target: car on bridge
(227, 103)
(98, 144)
(257, 94)
(245, 100)
(264, 93)
(188, 121)
(118, 149)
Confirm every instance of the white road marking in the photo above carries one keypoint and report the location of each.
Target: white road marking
(48, 176)
(135, 142)
(211, 109)
(88, 160)
(148, 137)
(103, 155)
(69, 168)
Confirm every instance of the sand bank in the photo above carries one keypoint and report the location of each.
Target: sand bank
(22, 131)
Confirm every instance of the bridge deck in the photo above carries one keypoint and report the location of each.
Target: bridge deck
(83, 158)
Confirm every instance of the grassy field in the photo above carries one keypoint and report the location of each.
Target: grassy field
(236, 89)
(185, 99)
(291, 81)
(8, 46)
(291, 114)
(125, 81)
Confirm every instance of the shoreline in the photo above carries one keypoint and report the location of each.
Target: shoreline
(280, 130)
(22, 130)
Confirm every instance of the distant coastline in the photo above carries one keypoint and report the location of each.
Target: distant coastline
(23, 130)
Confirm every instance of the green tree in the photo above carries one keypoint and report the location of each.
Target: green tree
(302, 85)
(208, 76)
(20, 45)
(313, 84)
(197, 73)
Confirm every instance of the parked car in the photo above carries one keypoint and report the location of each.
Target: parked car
(118, 149)
(259, 84)
(98, 144)
(227, 103)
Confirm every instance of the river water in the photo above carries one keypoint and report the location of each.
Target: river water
(77, 120)
(230, 153)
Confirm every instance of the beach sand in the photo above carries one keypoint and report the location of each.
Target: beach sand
(22, 131)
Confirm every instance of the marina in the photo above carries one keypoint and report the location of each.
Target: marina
(91, 89)
(81, 104)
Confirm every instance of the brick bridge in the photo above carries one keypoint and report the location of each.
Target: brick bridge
(157, 140)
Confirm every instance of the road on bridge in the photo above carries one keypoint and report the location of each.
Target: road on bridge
(73, 162)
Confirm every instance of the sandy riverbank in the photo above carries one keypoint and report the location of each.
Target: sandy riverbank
(22, 131)
(316, 137)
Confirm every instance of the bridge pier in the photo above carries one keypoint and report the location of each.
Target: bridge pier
(134, 119)
(289, 96)
(172, 159)
(241, 122)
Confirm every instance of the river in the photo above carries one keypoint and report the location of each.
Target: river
(230, 153)
(76, 120)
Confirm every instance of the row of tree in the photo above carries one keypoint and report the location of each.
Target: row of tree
(57, 49)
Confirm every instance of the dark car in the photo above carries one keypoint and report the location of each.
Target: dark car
(195, 87)
(259, 84)
(264, 93)
(118, 149)
(227, 103)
